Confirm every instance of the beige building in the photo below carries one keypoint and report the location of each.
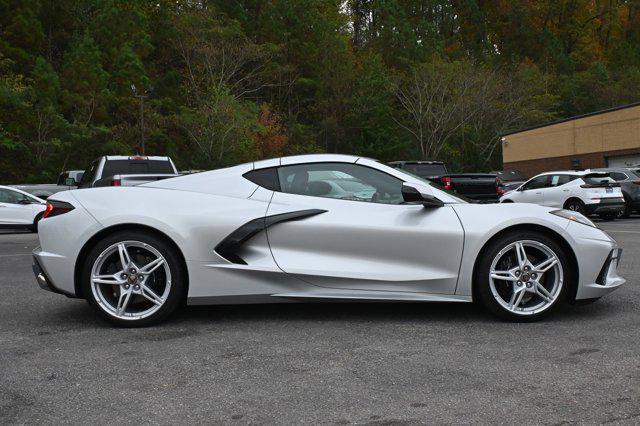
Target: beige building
(600, 139)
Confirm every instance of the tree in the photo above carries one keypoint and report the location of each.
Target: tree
(433, 100)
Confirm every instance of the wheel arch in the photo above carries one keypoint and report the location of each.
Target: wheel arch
(536, 228)
(37, 219)
(91, 242)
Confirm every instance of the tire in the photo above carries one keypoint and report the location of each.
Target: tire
(34, 227)
(627, 209)
(498, 295)
(136, 288)
(608, 216)
(575, 205)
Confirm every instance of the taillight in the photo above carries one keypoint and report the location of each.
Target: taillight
(56, 208)
(116, 182)
(446, 182)
(637, 181)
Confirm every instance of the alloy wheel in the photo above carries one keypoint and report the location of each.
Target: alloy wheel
(130, 280)
(526, 277)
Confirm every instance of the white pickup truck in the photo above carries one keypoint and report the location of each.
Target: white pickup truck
(120, 170)
(66, 180)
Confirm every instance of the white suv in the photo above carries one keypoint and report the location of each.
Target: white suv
(19, 209)
(585, 191)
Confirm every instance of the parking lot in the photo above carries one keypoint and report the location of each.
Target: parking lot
(335, 364)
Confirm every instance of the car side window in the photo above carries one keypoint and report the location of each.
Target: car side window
(88, 175)
(342, 181)
(266, 178)
(536, 183)
(11, 197)
(559, 180)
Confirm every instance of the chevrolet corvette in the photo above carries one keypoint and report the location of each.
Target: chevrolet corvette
(314, 228)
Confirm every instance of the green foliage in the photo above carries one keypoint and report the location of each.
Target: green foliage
(242, 80)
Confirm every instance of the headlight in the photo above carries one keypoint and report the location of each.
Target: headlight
(574, 216)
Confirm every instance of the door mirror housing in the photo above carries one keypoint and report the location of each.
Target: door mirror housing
(25, 201)
(412, 195)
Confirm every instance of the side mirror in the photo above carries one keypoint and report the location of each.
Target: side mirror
(24, 201)
(412, 195)
(70, 182)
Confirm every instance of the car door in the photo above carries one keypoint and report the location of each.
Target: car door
(13, 210)
(364, 240)
(532, 191)
(557, 190)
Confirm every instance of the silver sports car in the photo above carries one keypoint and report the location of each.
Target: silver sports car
(314, 228)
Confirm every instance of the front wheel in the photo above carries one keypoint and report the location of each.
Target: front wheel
(522, 276)
(134, 279)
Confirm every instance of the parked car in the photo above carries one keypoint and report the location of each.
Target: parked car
(19, 209)
(120, 170)
(66, 180)
(202, 239)
(475, 186)
(635, 169)
(630, 184)
(585, 192)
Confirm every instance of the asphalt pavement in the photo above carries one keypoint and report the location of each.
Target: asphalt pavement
(319, 363)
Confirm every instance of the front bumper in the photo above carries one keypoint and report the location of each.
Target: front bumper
(607, 279)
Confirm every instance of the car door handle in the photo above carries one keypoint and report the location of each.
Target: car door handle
(538, 193)
(565, 190)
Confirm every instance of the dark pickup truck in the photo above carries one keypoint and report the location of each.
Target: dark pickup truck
(482, 187)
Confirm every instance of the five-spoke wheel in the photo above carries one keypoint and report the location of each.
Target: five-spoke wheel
(522, 276)
(131, 278)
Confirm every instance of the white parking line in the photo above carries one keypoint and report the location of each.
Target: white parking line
(15, 255)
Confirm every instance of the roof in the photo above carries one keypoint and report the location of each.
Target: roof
(576, 117)
(568, 172)
(137, 157)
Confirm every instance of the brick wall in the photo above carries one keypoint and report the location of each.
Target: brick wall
(587, 161)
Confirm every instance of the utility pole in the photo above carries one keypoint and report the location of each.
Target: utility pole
(141, 98)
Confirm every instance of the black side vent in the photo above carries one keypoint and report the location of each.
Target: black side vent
(231, 245)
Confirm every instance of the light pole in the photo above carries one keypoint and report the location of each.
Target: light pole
(141, 98)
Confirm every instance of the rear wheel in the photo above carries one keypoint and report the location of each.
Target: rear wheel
(522, 276)
(134, 279)
(608, 216)
(575, 205)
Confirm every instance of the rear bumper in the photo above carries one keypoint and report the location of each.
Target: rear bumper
(43, 279)
(616, 205)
